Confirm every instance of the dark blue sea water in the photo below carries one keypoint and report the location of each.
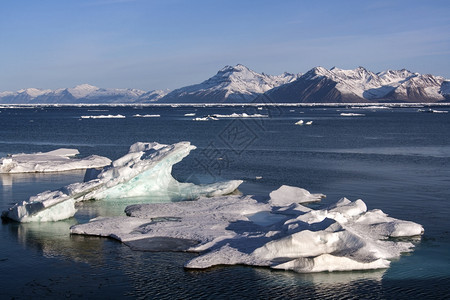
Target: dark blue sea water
(397, 160)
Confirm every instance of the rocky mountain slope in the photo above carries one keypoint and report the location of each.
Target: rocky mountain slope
(360, 85)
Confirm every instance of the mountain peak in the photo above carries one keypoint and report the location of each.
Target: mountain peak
(85, 86)
(236, 68)
(232, 84)
(82, 90)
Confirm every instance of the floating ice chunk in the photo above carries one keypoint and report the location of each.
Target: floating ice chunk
(104, 117)
(433, 111)
(287, 195)
(207, 118)
(40, 211)
(146, 116)
(229, 230)
(144, 171)
(243, 115)
(53, 161)
(352, 115)
(301, 122)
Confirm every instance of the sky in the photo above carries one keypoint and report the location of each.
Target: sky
(167, 44)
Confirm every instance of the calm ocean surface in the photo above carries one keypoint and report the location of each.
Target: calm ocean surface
(397, 160)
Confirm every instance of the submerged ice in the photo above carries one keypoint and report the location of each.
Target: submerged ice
(144, 171)
(227, 230)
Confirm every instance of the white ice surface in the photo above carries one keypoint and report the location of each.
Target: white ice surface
(144, 171)
(104, 117)
(243, 115)
(53, 161)
(287, 195)
(352, 115)
(280, 234)
(206, 118)
(146, 116)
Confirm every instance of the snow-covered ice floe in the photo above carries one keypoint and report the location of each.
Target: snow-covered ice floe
(280, 233)
(243, 115)
(206, 118)
(144, 171)
(433, 111)
(59, 160)
(104, 117)
(301, 122)
(352, 115)
(146, 116)
(216, 117)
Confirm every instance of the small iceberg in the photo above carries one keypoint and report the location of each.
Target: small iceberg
(280, 233)
(146, 116)
(352, 115)
(301, 122)
(104, 117)
(144, 171)
(206, 118)
(243, 115)
(59, 160)
(434, 111)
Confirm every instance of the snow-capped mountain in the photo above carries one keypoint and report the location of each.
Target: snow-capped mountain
(83, 93)
(152, 96)
(230, 84)
(360, 85)
(239, 84)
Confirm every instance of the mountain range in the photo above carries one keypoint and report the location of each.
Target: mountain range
(239, 84)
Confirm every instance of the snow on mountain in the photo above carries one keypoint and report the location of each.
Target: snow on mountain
(418, 88)
(359, 85)
(445, 89)
(230, 84)
(152, 96)
(239, 84)
(82, 90)
(83, 93)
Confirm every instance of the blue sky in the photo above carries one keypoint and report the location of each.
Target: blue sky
(150, 44)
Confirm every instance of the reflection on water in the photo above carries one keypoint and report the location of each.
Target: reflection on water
(53, 240)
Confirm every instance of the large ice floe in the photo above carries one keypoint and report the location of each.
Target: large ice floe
(279, 233)
(144, 171)
(53, 161)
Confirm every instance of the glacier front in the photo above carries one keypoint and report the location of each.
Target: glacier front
(144, 171)
(280, 233)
